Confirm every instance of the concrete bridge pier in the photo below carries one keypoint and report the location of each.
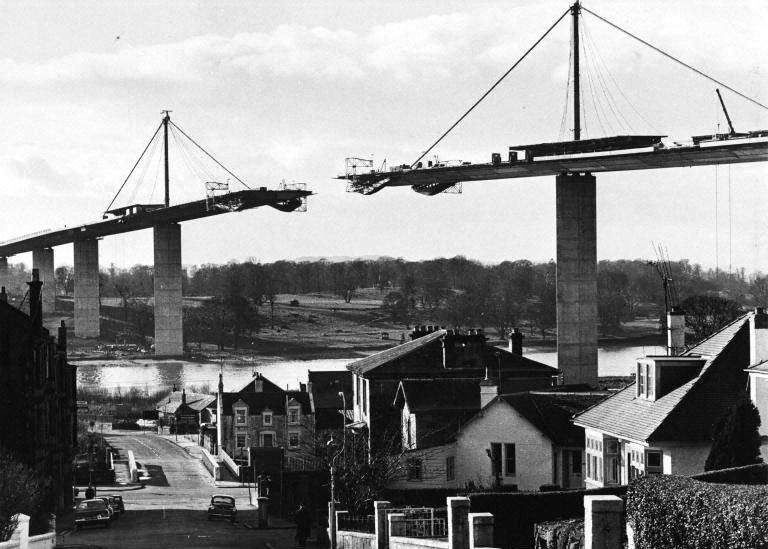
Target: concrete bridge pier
(87, 288)
(4, 280)
(576, 213)
(42, 260)
(169, 338)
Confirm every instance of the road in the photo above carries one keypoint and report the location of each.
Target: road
(170, 510)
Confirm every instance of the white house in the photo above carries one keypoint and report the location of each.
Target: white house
(662, 423)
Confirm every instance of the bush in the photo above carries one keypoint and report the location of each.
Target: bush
(21, 491)
(747, 474)
(668, 511)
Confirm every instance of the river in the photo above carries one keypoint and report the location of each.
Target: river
(152, 376)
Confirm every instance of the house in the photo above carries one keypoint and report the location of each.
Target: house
(435, 353)
(464, 436)
(330, 395)
(184, 412)
(758, 370)
(662, 423)
(262, 415)
(39, 391)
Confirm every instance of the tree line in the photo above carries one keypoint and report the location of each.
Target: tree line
(457, 291)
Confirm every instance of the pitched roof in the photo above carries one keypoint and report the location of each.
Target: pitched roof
(551, 412)
(196, 401)
(439, 394)
(365, 365)
(626, 416)
(258, 402)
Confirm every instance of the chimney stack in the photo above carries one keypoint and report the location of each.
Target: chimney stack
(758, 337)
(675, 331)
(3, 295)
(62, 344)
(35, 301)
(516, 342)
(183, 396)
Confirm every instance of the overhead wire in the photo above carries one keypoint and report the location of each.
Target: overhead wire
(134, 167)
(564, 120)
(493, 87)
(676, 60)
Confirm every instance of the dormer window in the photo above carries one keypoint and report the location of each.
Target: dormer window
(657, 376)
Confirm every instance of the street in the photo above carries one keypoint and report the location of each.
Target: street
(170, 510)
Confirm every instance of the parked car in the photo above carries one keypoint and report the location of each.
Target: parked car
(92, 511)
(116, 502)
(222, 506)
(110, 509)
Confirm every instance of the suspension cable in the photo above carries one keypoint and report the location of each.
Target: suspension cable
(686, 65)
(134, 167)
(222, 166)
(463, 116)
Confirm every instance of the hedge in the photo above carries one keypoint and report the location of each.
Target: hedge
(517, 513)
(746, 474)
(669, 511)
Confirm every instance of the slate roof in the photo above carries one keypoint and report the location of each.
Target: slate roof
(436, 395)
(551, 412)
(266, 385)
(626, 416)
(196, 401)
(429, 345)
(258, 402)
(365, 365)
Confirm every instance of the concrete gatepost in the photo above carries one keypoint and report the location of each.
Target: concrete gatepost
(332, 524)
(87, 288)
(336, 520)
(481, 530)
(42, 260)
(458, 523)
(576, 213)
(21, 533)
(381, 527)
(396, 525)
(169, 337)
(603, 517)
(262, 511)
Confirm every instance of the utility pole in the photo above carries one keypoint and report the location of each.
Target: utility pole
(575, 11)
(166, 119)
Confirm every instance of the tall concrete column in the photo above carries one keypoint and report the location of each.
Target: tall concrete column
(87, 288)
(576, 213)
(42, 260)
(4, 272)
(168, 300)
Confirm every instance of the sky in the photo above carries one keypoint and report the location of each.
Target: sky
(286, 90)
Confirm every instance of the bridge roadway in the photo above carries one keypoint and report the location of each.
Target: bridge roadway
(705, 154)
(284, 200)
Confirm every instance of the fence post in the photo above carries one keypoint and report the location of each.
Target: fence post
(339, 514)
(396, 525)
(332, 523)
(380, 524)
(602, 522)
(458, 525)
(481, 530)
(21, 533)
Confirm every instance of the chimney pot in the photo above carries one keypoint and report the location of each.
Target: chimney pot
(3, 295)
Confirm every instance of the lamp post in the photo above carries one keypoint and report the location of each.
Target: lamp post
(334, 449)
(344, 425)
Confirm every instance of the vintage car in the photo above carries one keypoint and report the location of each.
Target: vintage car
(92, 511)
(116, 502)
(222, 506)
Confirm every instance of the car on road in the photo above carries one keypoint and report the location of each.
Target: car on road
(92, 511)
(116, 502)
(222, 506)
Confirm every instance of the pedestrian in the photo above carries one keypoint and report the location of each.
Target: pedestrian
(303, 525)
(90, 492)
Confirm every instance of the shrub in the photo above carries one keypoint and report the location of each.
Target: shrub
(21, 491)
(668, 511)
(736, 439)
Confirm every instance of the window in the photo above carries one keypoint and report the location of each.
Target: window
(267, 440)
(653, 462)
(240, 416)
(365, 395)
(414, 469)
(357, 392)
(495, 454)
(266, 417)
(293, 414)
(576, 462)
(450, 468)
(640, 380)
(649, 381)
(240, 440)
(293, 439)
(509, 460)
